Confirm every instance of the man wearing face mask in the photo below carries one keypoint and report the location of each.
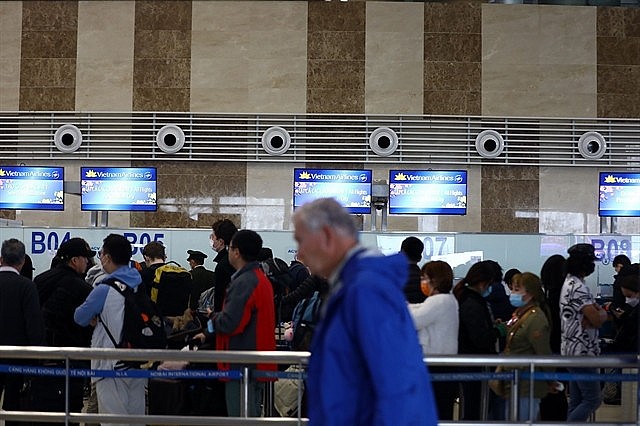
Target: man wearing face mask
(222, 232)
(581, 318)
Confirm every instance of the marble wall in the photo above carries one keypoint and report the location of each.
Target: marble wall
(162, 56)
(336, 57)
(387, 58)
(249, 57)
(48, 55)
(104, 71)
(618, 41)
(452, 55)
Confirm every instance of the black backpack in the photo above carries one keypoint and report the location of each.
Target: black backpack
(171, 289)
(143, 326)
(304, 320)
(281, 280)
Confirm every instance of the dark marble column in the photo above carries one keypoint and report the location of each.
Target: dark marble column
(48, 55)
(618, 44)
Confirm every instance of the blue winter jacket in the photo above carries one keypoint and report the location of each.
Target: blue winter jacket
(366, 364)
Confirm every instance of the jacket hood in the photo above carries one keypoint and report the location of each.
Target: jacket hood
(128, 275)
(394, 268)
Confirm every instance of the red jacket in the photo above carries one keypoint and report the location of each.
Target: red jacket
(247, 319)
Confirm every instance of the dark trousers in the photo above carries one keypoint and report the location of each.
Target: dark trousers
(444, 393)
(10, 385)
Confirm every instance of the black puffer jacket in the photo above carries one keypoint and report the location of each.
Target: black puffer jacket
(61, 290)
(412, 289)
(476, 334)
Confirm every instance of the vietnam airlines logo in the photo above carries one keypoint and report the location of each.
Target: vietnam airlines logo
(91, 174)
(400, 176)
(305, 175)
(2, 172)
(610, 179)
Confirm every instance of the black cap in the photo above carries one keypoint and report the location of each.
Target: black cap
(582, 249)
(196, 255)
(74, 247)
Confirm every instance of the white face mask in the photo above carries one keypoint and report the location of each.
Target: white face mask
(212, 244)
(631, 301)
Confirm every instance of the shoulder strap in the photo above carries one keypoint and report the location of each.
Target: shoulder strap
(517, 325)
(116, 285)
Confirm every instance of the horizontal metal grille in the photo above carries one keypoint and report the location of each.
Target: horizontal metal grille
(327, 138)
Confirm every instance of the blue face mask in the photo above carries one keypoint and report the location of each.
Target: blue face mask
(516, 300)
(487, 291)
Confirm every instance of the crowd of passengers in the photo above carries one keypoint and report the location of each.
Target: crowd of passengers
(515, 313)
(522, 313)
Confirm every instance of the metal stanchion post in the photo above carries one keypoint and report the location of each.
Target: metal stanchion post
(484, 397)
(244, 393)
(515, 395)
(300, 384)
(66, 391)
(531, 390)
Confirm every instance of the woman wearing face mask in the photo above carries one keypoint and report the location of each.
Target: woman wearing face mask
(528, 333)
(626, 339)
(436, 320)
(477, 333)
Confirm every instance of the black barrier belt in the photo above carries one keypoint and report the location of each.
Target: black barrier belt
(33, 370)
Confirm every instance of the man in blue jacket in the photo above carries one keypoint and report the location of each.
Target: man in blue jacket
(366, 363)
(115, 395)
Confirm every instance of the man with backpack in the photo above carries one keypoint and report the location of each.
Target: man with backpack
(168, 284)
(105, 309)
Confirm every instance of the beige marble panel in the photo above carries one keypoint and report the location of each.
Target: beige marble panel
(509, 34)
(568, 203)
(221, 15)
(539, 61)
(567, 35)
(219, 73)
(249, 56)
(10, 48)
(11, 44)
(394, 66)
(269, 196)
(104, 69)
(11, 16)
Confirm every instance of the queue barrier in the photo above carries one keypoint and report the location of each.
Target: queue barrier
(528, 363)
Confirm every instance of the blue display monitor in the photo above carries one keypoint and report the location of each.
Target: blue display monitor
(118, 188)
(352, 188)
(31, 188)
(619, 194)
(428, 192)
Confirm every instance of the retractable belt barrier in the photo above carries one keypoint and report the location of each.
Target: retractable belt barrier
(33, 370)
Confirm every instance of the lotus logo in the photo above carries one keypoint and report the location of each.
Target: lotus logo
(55, 174)
(458, 178)
(305, 175)
(363, 177)
(2, 172)
(91, 174)
(610, 179)
(147, 175)
(400, 176)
